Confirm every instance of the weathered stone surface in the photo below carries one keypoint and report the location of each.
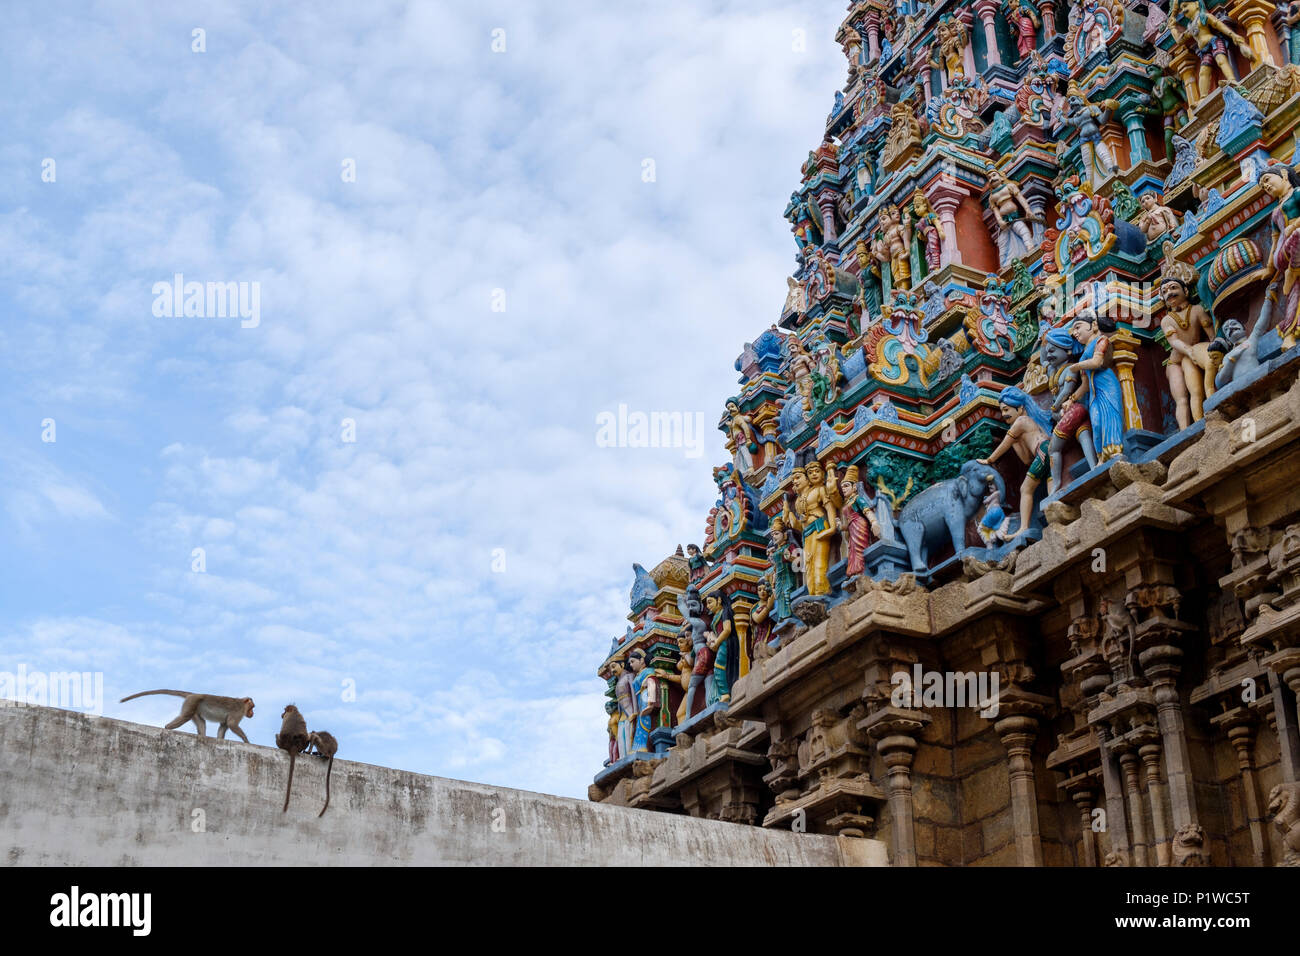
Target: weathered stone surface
(133, 792)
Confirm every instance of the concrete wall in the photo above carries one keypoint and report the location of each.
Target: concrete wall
(81, 790)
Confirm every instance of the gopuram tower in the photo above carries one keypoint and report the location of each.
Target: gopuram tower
(1005, 565)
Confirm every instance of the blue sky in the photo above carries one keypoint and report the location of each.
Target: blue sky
(371, 561)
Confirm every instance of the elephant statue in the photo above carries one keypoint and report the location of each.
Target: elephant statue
(943, 509)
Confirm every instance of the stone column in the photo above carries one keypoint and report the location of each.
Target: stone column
(1125, 345)
(986, 10)
(1116, 828)
(1137, 139)
(1018, 733)
(895, 731)
(1284, 728)
(1083, 800)
(1128, 762)
(1241, 734)
(923, 68)
(873, 35)
(1253, 16)
(1047, 10)
(1186, 67)
(826, 203)
(945, 198)
(1150, 755)
(1161, 664)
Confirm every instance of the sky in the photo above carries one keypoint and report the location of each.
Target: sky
(472, 229)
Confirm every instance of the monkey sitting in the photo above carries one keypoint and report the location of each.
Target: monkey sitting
(293, 737)
(326, 746)
(201, 708)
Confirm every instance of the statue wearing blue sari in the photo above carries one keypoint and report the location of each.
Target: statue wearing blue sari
(1100, 384)
(646, 692)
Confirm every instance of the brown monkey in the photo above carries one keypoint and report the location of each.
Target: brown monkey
(326, 746)
(293, 738)
(201, 708)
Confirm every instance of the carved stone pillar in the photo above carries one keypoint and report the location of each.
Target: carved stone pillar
(1128, 762)
(895, 731)
(1126, 354)
(826, 203)
(1150, 755)
(1047, 9)
(873, 35)
(945, 198)
(1116, 830)
(986, 10)
(1241, 734)
(1083, 798)
(924, 69)
(1137, 139)
(1186, 67)
(1253, 16)
(1018, 733)
(1162, 664)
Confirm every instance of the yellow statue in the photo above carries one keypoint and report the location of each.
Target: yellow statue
(816, 499)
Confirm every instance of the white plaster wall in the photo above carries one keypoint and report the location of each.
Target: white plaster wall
(86, 791)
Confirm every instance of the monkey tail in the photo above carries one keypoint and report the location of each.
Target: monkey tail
(328, 768)
(289, 786)
(146, 693)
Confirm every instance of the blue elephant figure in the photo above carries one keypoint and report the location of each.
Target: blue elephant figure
(944, 508)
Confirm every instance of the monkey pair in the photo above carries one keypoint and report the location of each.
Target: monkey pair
(294, 738)
(229, 711)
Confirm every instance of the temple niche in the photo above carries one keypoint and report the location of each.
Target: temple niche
(1010, 468)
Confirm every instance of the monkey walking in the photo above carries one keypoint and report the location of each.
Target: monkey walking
(293, 738)
(326, 746)
(201, 708)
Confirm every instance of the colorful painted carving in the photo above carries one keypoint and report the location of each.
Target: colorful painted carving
(1189, 330)
(1087, 120)
(1209, 38)
(1280, 182)
(1024, 17)
(1014, 215)
(979, 307)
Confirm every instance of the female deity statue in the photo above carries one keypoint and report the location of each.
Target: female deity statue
(1280, 182)
(930, 228)
(722, 641)
(787, 562)
(761, 623)
(1208, 36)
(1058, 351)
(814, 517)
(857, 520)
(1027, 437)
(626, 706)
(1022, 15)
(645, 691)
(1100, 385)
